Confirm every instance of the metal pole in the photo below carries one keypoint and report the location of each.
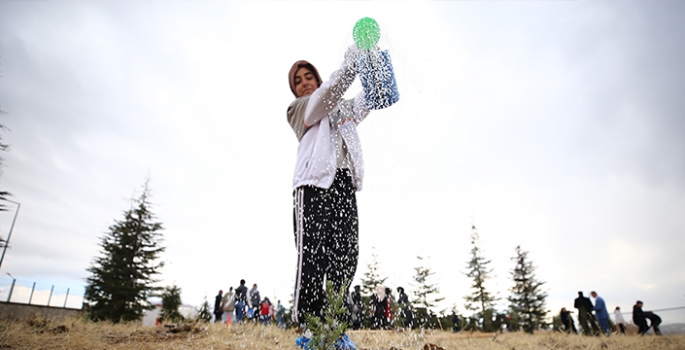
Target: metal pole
(50, 297)
(32, 289)
(9, 235)
(9, 297)
(65, 298)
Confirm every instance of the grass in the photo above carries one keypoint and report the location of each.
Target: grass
(77, 333)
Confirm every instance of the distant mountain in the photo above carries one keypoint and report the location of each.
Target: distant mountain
(674, 328)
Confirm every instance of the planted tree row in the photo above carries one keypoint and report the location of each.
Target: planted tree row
(123, 279)
(526, 310)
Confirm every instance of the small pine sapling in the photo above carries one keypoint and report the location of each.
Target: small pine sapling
(203, 313)
(326, 331)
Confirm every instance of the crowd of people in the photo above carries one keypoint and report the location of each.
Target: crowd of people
(598, 323)
(380, 308)
(241, 305)
(247, 305)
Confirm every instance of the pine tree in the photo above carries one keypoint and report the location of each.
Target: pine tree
(328, 329)
(122, 278)
(527, 298)
(424, 290)
(171, 301)
(480, 301)
(204, 314)
(372, 277)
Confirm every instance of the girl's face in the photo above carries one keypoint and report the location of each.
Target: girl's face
(305, 82)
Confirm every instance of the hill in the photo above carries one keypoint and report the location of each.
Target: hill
(674, 328)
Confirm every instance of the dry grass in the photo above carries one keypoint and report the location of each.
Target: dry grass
(35, 333)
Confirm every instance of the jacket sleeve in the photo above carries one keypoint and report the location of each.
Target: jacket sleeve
(328, 95)
(296, 116)
(354, 110)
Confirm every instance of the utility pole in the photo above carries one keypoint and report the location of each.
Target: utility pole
(14, 280)
(4, 249)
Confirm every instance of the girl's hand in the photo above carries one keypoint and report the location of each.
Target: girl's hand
(351, 56)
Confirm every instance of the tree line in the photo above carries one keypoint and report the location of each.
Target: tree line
(526, 309)
(123, 279)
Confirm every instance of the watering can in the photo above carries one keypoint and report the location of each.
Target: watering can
(374, 66)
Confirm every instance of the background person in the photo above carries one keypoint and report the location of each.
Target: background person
(265, 313)
(240, 301)
(255, 301)
(357, 307)
(228, 305)
(567, 321)
(639, 318)
(280, 315)
(389, 315)
(620, 322)
(601, 313)
(378, 302)
(218, 312)
(654, 322)
(584, 306)
(405, 308)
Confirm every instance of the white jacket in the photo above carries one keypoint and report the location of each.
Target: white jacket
(326, 114)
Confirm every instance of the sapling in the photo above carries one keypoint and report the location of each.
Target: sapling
(328, 328)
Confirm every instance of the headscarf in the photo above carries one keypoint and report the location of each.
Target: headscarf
(302, 64)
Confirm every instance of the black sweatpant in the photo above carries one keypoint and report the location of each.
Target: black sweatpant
(327, 241)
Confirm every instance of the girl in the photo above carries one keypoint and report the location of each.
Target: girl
(328, 171)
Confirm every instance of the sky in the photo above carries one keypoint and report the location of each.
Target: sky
(553, 125)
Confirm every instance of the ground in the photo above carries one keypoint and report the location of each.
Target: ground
(78, 333)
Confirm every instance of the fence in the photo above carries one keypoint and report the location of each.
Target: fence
(33, 293)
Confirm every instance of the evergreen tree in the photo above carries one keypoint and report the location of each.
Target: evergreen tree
(328, 329)
(481, 300)
(171, 301)
(204, 314)
(527, 298)
(372, 277)
(425, 291)
(123, 276)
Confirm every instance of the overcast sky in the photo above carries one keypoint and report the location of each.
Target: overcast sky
(554, 125)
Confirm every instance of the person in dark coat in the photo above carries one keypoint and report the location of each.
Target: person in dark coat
(585, 317)
(378, 303)
(639, 318)
(566, 319)
(255, 301)
(405, 308)
(218, 311)
(356, 306)
(240, 301)
(455, 322)
(654, 321)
